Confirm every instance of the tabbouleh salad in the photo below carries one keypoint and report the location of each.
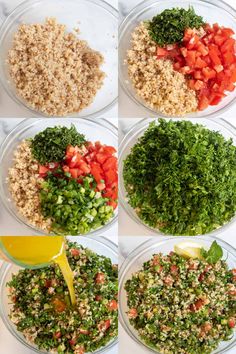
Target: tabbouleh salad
(183, 306)
(43, 313)
(63, 183)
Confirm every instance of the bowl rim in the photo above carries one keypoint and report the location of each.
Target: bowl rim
(3, 30)
(4, 269)
(129, 136)
(4, 146)
(134, 98)
(141, 249)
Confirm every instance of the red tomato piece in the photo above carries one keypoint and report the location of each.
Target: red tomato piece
(111, 176)
(231, 322)
(208, 73)
(84, 167)
(101, 186)
(214, 54)
(191, 58)
(112, 305)
(74, 172)
(43, 170)
(203, 103)
(102, 157)
(100, 278)
(162, 52)
(200, 63)
(133, 313)
(104, 325)
(109, 150)
(199, 85)
(110, 163)
(228, 45)
(74, 252)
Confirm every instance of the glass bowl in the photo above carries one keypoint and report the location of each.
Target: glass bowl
(131, 138)
(100, 245)
(212, 11)
(97, 22)
(93, 129)
(143, 253)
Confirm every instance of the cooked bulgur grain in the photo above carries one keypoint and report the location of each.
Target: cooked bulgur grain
(155, 80)
(54, 71)
(24, 181)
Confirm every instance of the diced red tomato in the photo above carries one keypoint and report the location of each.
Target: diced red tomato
(174, 269)
(110, 164)
(231, 322)
(43, 170)
(133, 313)
(101, 186)
(84, 167)
(161, 52)
(57, 335)
(113, 204)
(111, 176)
(203, 103)
(102, 157)
(59, 305)
(100, 278)
(73, 172)
(104, 325)
(74, 252)
(113, 305)
(72, 342)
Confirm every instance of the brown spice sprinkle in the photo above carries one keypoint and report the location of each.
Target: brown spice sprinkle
(54, 71)
(155, 80)
(24, 184)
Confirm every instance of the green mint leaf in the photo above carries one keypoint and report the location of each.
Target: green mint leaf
(214, 254)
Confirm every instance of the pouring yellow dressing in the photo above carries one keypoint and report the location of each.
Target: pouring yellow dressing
(38, 251)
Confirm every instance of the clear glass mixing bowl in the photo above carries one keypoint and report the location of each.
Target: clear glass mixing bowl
(143, 253)
(93, 129)
(131, 138)
(97, 22)
(212, 11)
(100, 245)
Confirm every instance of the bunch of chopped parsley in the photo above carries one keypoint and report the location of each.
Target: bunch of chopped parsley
(168, 27)
(41, 305)
(50, 144)
(180, 178)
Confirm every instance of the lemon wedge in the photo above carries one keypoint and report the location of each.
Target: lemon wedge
(189, 249)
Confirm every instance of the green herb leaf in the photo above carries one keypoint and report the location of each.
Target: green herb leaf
(168, 27)
(214, 254)
(50, 144)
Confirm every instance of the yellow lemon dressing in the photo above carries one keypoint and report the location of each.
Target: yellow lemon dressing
(40, 251)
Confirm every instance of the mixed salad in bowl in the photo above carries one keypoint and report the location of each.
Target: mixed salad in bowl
(184, 301)
(62, 183)
(40, 313)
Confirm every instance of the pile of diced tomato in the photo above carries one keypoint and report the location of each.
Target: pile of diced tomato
(208, 60)
(95, 159)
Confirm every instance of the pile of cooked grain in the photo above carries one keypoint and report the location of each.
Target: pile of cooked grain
(54, 71)
(155, 80)
(24, 184)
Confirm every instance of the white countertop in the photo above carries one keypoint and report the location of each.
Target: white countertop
(8, 107)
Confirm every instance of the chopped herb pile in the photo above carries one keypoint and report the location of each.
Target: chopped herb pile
(75, 208)
(168, 27)
(180, 305)
(41, 304)
(50, 144)
(180, 178)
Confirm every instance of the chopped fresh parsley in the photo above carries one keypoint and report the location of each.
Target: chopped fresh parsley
(180, 178)
(50, 144)
(168, 27)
